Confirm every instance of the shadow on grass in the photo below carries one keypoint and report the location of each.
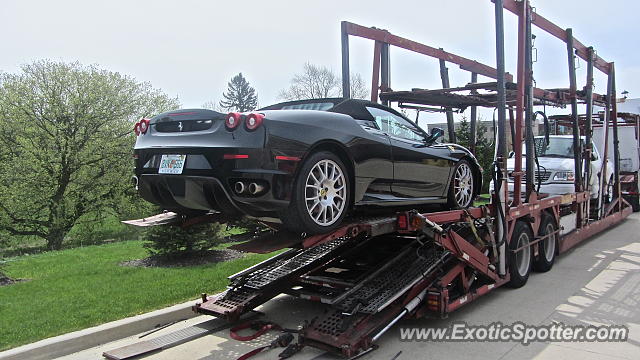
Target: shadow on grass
(182, 260)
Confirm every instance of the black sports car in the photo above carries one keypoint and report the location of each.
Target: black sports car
(304, 163)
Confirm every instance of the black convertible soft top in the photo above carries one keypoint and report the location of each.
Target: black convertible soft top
(356, 108)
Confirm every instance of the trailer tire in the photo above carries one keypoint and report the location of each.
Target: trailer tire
(547, 248)
(520, 262)
(635, 202)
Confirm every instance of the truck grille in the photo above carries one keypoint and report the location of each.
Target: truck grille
(543, 176)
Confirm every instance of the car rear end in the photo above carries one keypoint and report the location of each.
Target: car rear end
(202, 160)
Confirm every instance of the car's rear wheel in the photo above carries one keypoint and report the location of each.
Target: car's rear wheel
(462, 187)
(320, 197)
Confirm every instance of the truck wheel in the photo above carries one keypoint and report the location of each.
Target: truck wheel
(461, 189)
(635, 202)
(608, 196)
(320, 196)
(520, 261)
(546, 248)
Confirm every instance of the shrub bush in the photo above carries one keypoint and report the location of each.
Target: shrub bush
(172, 241)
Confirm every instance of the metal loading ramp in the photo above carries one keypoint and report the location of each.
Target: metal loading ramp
(390, 282)
(262, 283)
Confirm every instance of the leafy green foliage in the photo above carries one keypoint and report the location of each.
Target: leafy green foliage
(173, 241)
(240, 96)
(484, 148)
(65, 145)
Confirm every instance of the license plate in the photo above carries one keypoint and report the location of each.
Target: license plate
(172, 164)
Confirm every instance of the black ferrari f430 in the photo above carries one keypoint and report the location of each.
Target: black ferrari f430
(304, 163)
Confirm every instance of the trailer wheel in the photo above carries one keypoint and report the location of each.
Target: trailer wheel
(546, 248)
(520, 261)
(635, 202)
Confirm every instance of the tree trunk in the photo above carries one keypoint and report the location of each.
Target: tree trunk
(54, 239)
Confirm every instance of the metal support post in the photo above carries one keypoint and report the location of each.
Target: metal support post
(501, 154)
(528, 118)
(587, 127)
(474, 118)
(375, 78)
(444, 75)
(385, 64)
(346, 81)
(577, 149)
(616, 149)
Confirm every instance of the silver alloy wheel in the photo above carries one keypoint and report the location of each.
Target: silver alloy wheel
(550, 243)
(463, 185)
(523, 256)
(325, 192)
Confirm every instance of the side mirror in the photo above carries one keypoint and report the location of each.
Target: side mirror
(435, 134)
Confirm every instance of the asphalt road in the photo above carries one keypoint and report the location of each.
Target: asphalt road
(596, 283)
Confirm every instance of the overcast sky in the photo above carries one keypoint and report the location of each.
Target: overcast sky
(191, 49)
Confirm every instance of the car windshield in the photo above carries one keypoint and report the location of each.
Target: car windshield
(557, 147)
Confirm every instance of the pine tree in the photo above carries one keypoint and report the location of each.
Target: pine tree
(240, 96)
(484, 147)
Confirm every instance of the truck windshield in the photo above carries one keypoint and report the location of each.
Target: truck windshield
(557, 147)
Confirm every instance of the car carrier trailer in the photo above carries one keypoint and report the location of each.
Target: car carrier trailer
(372, 272)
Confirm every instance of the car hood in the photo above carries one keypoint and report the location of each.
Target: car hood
(549, 163)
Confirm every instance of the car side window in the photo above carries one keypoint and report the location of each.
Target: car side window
(395, 125)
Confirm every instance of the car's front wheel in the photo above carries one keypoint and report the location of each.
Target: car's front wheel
(320, 197)
(461, 189)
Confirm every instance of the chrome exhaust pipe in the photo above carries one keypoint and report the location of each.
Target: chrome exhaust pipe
(239, 187)
(134, 180)
(255, 188)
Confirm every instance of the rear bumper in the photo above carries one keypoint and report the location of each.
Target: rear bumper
(207, 181)
(176, 192)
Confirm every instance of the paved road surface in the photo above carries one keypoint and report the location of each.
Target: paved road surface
(596, 283)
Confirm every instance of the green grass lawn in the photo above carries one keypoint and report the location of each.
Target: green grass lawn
(483, 199)
(78, 288)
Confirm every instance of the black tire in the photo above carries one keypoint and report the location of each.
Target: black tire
(297, 218)
(453, 201)
(635, 202)
(547, 249)
(608, 192)
(520, 262)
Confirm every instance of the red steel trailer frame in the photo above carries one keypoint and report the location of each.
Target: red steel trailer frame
(436, 262)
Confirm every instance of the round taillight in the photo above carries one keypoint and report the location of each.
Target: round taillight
(143, 126)
(254, 121)
(233, 120)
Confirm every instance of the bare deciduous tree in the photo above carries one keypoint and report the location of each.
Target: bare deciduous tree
(321, 82)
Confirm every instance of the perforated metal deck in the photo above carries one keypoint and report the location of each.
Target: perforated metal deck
(254, 288)
(379, 291)
(279, 269)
